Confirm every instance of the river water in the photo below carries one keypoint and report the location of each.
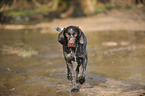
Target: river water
(32, 63)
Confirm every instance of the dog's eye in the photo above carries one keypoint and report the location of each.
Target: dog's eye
(66, 35)
(75, 35)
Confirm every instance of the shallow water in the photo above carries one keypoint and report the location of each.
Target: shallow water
(118, 55)
(112, 54)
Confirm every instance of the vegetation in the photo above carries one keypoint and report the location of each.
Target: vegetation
(59, 8)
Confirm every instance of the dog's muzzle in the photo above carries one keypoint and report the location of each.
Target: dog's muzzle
(71, 43)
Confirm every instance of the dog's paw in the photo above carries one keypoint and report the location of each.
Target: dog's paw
(82, 80)
(74, 90)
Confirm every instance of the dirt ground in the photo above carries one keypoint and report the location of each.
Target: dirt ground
(112, 87)
(114, 19)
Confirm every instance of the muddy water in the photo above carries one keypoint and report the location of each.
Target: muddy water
(40, 70)
(118, 55)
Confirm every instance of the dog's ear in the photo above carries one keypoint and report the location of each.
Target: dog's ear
(81, 35)
(61, 38)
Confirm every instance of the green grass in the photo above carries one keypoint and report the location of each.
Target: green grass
(15, 13)
(23, 13)
(44, 10)
(106, 7)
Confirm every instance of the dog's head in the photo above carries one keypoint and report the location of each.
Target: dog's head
(70, 36)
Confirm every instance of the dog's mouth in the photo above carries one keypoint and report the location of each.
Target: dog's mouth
(71, 45)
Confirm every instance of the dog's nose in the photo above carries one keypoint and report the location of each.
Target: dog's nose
(71, 43)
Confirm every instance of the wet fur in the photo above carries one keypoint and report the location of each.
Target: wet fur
(77, 54)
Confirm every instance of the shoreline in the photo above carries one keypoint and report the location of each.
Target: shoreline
(115, 19)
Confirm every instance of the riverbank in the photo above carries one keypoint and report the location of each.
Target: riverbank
(114, 19)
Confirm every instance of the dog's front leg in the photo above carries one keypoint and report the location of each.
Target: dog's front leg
(77, 70)
(82, 78)
(73, 75)
(69, 73)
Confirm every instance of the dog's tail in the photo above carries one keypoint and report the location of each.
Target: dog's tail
(59, 29)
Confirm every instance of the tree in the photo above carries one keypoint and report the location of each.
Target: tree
(80, 8)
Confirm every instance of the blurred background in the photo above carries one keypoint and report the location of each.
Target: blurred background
(35, 10)
(31, 59)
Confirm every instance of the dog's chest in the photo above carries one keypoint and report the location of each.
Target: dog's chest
(71, 55)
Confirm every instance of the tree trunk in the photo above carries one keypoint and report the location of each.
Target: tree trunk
(80, 8)
(89, 6)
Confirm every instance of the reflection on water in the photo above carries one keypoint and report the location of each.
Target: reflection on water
(118, 55)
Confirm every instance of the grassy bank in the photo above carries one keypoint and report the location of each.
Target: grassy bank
(44, 10)
(16, 12)
(103, 8)
(36, 15)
